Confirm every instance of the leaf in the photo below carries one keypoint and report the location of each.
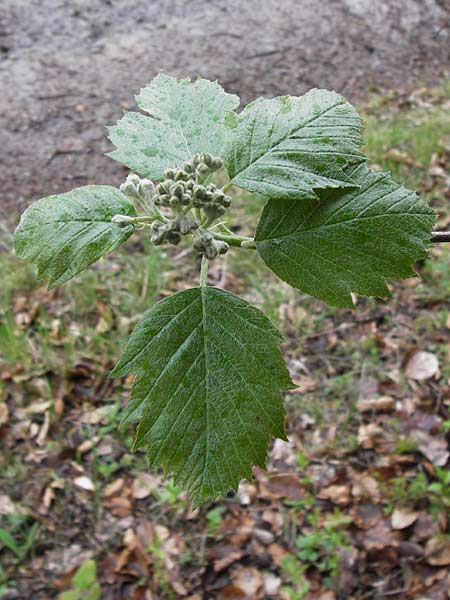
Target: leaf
(290, 147)
(187, 118)
(422, 365)
(9, 542)
(70, 595)
(65, 234)
(85, 576)
(207, 391)
(350, 242)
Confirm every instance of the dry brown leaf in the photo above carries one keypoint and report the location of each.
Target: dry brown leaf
(144, 484)
(422, 365)
(263, 535)
(437, 552)
(93, 417)
(247, 584)
(114, 487)
(433, 447)
(277, 552)
(4, 413)
(338, 494)
(274, 518)
(224, 555)
(7, 506)
(281, 485)
(365, 486)
(424, 528)
(367, 435)
(120, 506)
(382, 404)
(272, 584)
(378, 537)
(84, 483)
(403, 517)
(246, 493)
(40, 439)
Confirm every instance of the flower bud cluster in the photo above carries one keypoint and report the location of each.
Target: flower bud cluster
(182, 191)
(183, 187)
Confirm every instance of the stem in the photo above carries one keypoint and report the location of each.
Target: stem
(440, 236)
(239, 241)
(227, 186)
(203, 271)
(148, 219)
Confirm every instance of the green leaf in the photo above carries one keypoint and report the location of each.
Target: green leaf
(207, 391)
(7, 540)
(70, 595)
(350, 242)
(95, 592)
(65, 234)
(290, 147)
(85, 576)
(187, 118)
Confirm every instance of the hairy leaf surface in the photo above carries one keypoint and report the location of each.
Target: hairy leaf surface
(351, 241)
(187, 118)
(290, 147)
(207, 389)
(64, 234)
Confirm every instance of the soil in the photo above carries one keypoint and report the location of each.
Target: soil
(68, 68)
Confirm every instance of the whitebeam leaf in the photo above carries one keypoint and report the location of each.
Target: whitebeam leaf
(64, 234)
(351, 241)
(290, 147)
(187, 118)
(207, 389)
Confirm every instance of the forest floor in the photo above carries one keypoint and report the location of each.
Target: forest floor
(356, 505)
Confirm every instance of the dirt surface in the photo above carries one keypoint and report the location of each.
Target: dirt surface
(67, 68)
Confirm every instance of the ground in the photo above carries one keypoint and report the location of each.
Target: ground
(357, 504)
(68, 69)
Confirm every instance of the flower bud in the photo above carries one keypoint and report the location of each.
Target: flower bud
(173, 237)
(202, 170)
(175, 202)
(177, 190)
(169, 173)
(216, 164)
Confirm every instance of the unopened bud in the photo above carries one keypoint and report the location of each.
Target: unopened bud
(122, 219)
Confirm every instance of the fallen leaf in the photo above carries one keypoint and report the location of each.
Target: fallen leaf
(367, 435)
(433, 447)
(7, 506)
(378, 537)
(383, 404)
(437, 552)
(114, 487)
(403, 517)
(338, 494)
(422, 365)
(272, 584)
(224, 555)
(246, 583)
(281, 485)
(84, 483)
(263, 536)
(4, 413)
(365, 486)
(143, 485)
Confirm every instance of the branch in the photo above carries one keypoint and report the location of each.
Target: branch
(440, 236)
